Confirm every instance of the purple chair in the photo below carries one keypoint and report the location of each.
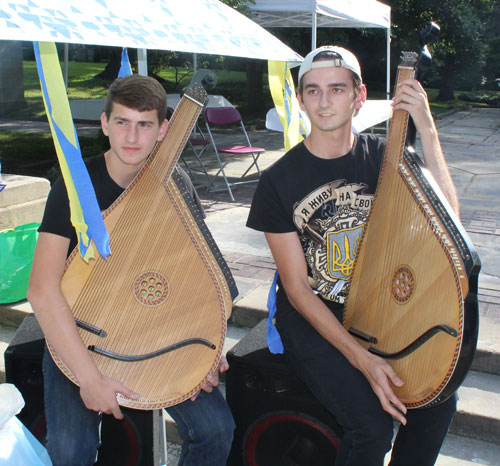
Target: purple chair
(222, 116)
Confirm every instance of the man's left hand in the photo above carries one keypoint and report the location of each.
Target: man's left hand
(411, 96)
(213, 378)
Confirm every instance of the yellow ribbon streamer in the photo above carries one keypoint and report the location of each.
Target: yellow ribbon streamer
(285, 100)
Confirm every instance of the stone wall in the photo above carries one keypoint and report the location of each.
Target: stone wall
(22, 201)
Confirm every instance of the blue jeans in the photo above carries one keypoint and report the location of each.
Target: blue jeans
(345, 392)
(73, 431)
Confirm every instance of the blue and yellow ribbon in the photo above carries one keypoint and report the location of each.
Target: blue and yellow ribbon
(85, 212)
(286, 103)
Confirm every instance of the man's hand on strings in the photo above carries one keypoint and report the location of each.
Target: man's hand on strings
(381, 377)
(100, 395)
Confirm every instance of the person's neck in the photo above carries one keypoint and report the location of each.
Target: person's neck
(121, 174)
(329, 144)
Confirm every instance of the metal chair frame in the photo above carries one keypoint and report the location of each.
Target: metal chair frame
(198, 145)
(221, 116)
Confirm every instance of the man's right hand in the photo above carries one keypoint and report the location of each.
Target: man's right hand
(99, 394)
(380, 376)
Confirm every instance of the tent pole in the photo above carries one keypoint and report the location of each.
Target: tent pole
(314, 30)
(142, 61)
(388, 72)
(66, 57)
(388, 63)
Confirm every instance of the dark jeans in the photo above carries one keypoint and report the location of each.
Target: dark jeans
(73, 430)
(345, 392)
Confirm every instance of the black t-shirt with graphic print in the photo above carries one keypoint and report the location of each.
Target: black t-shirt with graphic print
(327, 202)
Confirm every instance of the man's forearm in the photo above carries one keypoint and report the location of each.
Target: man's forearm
(436, 164)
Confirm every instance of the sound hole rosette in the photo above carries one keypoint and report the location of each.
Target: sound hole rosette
(403, 284)
(285, 437)
(151, 288)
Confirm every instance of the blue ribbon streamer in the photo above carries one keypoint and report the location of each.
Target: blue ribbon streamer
(273, 337)
(125, 68)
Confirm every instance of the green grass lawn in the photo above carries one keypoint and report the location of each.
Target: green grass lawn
(34, 154)
(81, 85)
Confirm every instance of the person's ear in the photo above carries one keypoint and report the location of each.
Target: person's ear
(162, 130)
(104, 124)
(361, 99)
(301, 103)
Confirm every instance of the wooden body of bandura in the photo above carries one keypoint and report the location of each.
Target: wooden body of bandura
(153, 315)
(412, 298)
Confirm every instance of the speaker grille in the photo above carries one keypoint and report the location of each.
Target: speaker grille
(278, 420)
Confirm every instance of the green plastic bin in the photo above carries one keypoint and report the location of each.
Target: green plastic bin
(16, 256)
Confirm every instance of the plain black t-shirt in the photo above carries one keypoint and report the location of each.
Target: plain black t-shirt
(56, 218)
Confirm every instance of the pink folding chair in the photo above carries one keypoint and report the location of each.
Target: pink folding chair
(222, 116)
(198, 145)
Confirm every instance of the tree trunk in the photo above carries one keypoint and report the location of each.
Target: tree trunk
(11, 77)
(447, 88)
(112, 69)
(255, 88)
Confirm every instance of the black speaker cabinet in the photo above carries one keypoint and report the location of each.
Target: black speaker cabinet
(133, 441)
(278, 421)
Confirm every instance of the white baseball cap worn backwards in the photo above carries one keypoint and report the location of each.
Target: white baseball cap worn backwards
(346, 60)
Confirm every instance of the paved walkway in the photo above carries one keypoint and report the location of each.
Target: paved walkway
(41, 125)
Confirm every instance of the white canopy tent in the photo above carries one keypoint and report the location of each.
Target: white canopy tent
(196, 26)
(325, 13)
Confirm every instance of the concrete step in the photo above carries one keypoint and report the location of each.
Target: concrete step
(456, 451)
(478, 414)
(11, 317)
(463, 451)
(22, 200)
(487, 357)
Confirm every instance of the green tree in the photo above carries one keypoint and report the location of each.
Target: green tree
(254, 68)
(460, 53)
(491, 69)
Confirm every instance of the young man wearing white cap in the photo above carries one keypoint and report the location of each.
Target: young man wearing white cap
(306, 203)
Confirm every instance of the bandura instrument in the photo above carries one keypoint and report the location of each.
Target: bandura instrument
(153, 315)
(412, 298)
